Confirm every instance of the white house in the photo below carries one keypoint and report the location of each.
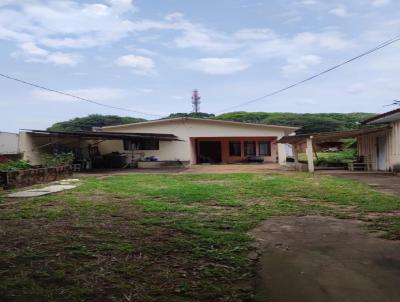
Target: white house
(174, 140)
(202, 140)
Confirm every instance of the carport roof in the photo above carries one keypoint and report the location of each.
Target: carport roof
(102, 135)
(330, 136)
(386, 117)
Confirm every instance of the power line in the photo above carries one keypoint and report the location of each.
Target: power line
(376, 48)
(75, 96)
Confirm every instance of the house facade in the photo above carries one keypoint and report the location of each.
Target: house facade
(201, 141)
(382, 149)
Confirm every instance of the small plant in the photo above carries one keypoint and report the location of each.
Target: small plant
(63, 159)
(14, 165)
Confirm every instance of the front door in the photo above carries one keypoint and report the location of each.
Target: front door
(209, 152)
(381, 153)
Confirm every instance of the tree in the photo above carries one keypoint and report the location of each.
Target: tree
(192, 114)
(309, 122)
(93, 120)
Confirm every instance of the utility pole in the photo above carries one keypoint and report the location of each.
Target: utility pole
(196, 101)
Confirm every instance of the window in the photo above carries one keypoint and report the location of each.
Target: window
(235, 149)
(265, 148)
(149, 144)
(141, 144)
(249, 148)
(128, 144)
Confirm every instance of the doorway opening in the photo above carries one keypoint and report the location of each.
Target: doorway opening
(209, 152)
(381, 153)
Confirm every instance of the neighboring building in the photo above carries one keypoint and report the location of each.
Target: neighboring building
(203, 140)
(382, 149)
(378, 147)
(8, 143)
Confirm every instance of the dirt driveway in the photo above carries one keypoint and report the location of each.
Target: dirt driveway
(314, 258)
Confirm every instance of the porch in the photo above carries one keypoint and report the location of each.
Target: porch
(230, 150)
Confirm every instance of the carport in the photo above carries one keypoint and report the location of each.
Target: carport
(311, 139)
(35, 144)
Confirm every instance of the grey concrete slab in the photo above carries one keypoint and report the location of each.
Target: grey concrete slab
(54, 188)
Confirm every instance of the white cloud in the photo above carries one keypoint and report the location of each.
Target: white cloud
(380, 3)
(142, 51)
(53, 27)
(198, 36)
(256, 34)
(218, 66)
(95, 94)
(300, 64)
(138, 64)
(30, 52)
(303, 42)
(339, 11)
(309, 2)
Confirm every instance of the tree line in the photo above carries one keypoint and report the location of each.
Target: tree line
(309, 122)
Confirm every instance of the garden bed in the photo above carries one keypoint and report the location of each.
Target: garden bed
(29, 177)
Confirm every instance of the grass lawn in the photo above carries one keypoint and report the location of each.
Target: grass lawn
(148, 237)
(344, 156)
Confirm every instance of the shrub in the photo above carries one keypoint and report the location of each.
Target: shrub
(63, 159)
(14, 165)
(396, 168)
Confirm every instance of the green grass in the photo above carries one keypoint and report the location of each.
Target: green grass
(161, 237)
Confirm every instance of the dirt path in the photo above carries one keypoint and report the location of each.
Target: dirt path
(314, 258)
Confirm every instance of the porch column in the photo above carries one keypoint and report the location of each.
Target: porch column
(309, 152)
(295, 154)
(281, 153)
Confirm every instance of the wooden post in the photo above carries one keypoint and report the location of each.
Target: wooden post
(295, 156)
(309, 152)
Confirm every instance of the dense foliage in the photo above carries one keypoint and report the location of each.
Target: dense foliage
(62, 159)
(14, 165)
(192, 114)
(310, 122)
(93, 120)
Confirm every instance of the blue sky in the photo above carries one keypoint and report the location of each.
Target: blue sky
(149, 55)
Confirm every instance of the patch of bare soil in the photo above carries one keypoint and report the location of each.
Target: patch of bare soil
(315, 258)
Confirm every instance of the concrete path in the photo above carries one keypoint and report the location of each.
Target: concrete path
(55, 187)
(313, 258)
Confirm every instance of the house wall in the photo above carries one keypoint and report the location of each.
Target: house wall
(33, 148)
(28, 147)
(367, 147)
(394, 144)
(8, 143)
(185, 129)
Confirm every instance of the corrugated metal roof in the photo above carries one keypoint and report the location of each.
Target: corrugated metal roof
(383, 117)
(330, 136)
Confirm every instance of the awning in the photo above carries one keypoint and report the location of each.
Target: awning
(330, 136)
(102, 135)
